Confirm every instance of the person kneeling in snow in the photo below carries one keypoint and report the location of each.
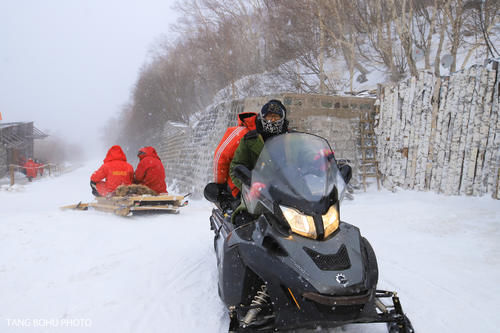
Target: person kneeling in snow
(150, 170)
(115, 170)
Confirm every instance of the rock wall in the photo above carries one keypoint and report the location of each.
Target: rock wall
(442, 134)
(187, 150)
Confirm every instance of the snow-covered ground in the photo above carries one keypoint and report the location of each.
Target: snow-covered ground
(75, 271)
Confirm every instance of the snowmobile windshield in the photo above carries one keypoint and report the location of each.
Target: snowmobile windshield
(297, 170)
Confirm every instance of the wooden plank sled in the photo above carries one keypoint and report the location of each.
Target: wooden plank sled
(130, 205)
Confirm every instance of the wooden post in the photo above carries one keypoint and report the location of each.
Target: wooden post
(11, 175)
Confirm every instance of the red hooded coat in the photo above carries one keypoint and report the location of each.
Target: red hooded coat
(150, 171)
(115, 170)
(227, 146)
(31, 168)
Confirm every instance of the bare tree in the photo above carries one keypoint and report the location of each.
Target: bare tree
(375, 23)
(480, 19)
(453, 9)
(425, 18)
(228, 33)
(402, 17)
(221, 41)
(339, 17)
(442, 29)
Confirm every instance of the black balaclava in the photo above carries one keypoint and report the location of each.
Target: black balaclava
(269, 128)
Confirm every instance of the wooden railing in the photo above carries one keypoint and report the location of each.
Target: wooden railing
(51, 168)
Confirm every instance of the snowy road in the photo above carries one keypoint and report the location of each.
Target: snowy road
(68, 271)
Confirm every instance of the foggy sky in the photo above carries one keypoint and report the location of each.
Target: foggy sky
(69, 65)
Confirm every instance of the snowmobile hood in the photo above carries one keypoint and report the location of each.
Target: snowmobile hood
(115, 153)
(147, 152)
(247, 119)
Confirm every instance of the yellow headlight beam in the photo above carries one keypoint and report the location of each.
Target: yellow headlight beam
(331, 221)
(304, 224)
(299, 223)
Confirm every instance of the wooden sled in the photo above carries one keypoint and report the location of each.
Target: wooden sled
(136, 204)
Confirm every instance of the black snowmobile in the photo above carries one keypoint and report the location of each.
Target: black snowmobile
(294, 264)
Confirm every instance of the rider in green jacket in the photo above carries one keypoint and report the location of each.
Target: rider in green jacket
(270, 121)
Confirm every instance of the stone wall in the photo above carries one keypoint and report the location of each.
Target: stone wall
(442, 134)
(187, 151)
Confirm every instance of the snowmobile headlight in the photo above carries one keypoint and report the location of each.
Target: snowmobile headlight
(331, 221)
(299, 223)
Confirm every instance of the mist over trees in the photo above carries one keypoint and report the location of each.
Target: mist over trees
(222, 41)
(55, 149)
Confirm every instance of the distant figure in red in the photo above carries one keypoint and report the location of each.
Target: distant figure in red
(39, 167)
(150, 171)
(114, 172)
(31, 168)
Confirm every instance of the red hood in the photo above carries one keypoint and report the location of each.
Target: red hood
(115, 153)
(148, 151)
(247, 119)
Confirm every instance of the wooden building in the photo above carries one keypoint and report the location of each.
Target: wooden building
(16, 143)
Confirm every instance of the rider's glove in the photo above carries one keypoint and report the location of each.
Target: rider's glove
(255, 190)
(321, 156)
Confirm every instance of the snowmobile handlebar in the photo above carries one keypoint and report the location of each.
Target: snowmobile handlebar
(242, 173)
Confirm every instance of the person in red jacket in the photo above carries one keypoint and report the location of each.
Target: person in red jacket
(150, 170)
(224, 155)
(114, 172)
(31, 169)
